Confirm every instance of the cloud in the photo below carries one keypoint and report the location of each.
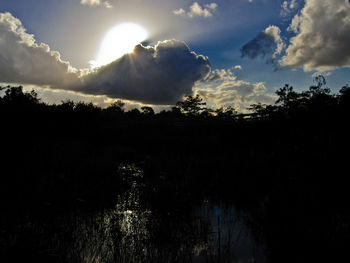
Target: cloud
(322, 36)
(288, 7)
(197, 10)
(179, 12)
(294, 25)
(24, 61)
(211, 6)
(105, 3)
(162, 74)
(220, 75)
(52, 96)
(222, 89)
(267, 42)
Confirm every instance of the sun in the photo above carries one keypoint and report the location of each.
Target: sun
(118, 41)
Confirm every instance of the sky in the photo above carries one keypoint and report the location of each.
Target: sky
(231, 52)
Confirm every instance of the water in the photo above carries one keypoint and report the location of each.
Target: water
(139, 228)
(130, 232)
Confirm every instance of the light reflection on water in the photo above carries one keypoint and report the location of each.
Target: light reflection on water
(130, 232)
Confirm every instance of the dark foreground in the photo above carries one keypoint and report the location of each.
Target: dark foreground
(81, 184)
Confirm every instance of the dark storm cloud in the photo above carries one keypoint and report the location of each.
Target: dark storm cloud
(162, 74)
(261, 45)
(266, 43)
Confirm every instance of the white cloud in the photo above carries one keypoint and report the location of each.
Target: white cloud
(90, 2)
(275, 32)
(220, 75)
(179, 11)
(211, 6)
(105, 3)
(223, 89)
(24, 61)
(197, 10)
(294, 25)
(288, 7)
(322, 36)
(293, 4)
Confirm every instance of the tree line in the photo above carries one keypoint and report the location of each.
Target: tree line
(317, 98)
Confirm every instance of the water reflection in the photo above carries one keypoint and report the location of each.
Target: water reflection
(229, 240)
(133, 232)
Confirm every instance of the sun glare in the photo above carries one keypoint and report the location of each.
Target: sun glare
(119, 41)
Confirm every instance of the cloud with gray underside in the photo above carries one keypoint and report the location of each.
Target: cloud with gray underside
(268, 43)
(162, 74)
(23, 61)
(322, 36)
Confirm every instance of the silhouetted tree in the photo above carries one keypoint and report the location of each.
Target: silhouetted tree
(191, 105)
(16, 96)
(176, 111)
(206, 112)
(319, 95)
(148, 111)
(83, 107)
(133, 113)
(344, 96)
(344, 99)
(287, 97)
(66, 106)
(320, 88)
(225, 112)
(117, 107)
(262, 110)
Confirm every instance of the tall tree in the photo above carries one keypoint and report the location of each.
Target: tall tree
(192, 106)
